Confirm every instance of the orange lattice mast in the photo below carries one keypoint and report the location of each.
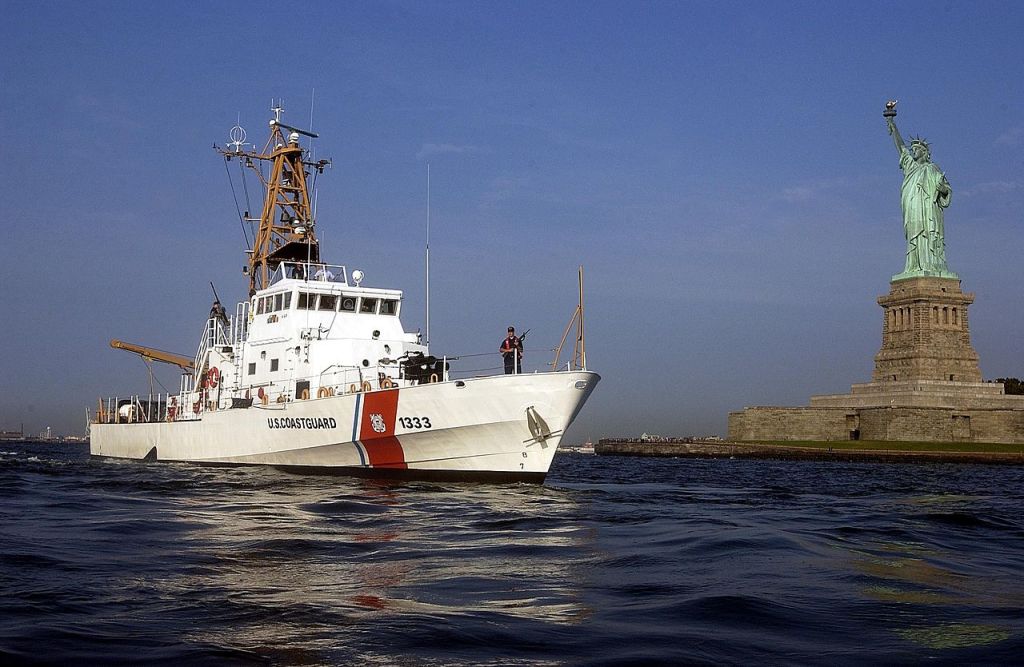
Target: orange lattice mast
(286, 225)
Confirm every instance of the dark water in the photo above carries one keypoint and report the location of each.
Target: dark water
(612, 561)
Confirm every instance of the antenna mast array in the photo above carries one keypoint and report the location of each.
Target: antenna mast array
(286, 224)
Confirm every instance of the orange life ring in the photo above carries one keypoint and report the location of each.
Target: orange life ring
(262, 394)
(213, 378)
(386, 383)
(433, 377)
(367, 386)
(304, 395)
(322, 392)
(264, 399)
(351, 389)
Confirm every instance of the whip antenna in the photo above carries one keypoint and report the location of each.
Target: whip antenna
(427, 327)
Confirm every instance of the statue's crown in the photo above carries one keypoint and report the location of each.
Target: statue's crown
(920, 140)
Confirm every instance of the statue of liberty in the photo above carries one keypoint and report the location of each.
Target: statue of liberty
(924, 196)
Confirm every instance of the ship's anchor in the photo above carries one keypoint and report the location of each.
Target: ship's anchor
(538, 427)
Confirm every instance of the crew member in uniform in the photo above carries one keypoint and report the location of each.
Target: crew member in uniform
(512, 351)
(217, 312)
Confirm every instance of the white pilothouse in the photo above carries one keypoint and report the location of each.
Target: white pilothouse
(315, 370)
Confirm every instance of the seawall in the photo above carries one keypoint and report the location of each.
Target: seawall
(737, 450)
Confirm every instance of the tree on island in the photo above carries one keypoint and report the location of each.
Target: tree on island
(1012, 385)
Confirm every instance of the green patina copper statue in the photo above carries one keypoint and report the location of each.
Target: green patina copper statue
(925, 194)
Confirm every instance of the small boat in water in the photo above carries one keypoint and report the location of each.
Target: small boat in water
(315, 370)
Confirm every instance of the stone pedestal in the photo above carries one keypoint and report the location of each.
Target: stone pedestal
(926, 360)
(925, 333)
(926, 385)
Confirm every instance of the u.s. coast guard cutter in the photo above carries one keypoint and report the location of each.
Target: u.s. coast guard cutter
(315, 370)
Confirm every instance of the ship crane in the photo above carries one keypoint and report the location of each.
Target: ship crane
(153, 354)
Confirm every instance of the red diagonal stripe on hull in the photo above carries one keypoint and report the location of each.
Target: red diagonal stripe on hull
(383, 448)
(385, 453)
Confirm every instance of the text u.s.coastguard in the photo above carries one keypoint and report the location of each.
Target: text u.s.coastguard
(301, 422)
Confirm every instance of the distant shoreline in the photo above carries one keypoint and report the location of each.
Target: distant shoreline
(877, 452)
(37, 441)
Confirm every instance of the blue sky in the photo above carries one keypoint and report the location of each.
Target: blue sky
(721, 170)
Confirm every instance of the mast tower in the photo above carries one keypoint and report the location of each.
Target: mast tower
(286, 223)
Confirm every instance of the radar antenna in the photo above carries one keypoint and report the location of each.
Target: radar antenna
(238, 141)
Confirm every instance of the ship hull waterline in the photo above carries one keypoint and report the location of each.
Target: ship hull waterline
(497, 429)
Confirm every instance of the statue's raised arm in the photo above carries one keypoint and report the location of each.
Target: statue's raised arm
(890, 115)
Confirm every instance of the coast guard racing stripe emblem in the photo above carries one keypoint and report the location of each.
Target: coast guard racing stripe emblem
(377, 430)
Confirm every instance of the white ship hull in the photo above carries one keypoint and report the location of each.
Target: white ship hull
(504, 427)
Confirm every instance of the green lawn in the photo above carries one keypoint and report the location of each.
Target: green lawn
(898, 446)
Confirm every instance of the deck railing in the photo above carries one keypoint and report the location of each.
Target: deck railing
(191, 404)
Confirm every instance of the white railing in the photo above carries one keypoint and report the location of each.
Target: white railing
(191, 404)
(240, 325)
(311, 272)
(137, 409)
(215, 332)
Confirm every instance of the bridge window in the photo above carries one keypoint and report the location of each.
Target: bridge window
(259, 307)
(328, 302)
(287, 300)
(368, 305)
(273, 365)
(305, 300)
(389, 307)
(278, 301)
